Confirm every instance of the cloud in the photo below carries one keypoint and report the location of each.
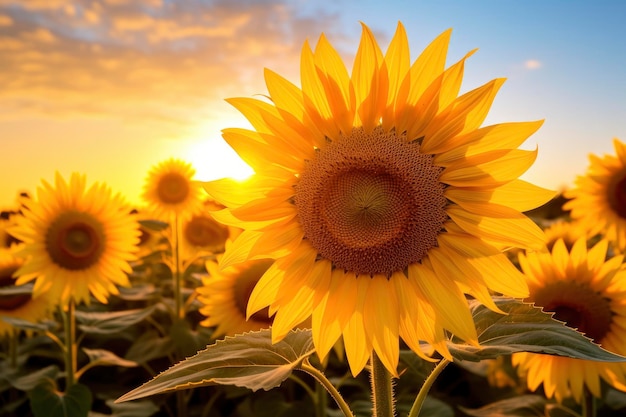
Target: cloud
(532, 64)
(145, 60)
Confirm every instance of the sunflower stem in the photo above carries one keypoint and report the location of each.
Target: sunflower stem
(325, 382)
(69, 324)
(178, 294)
(383, 401)
(588, 404)
(13, 341)
(428, 383)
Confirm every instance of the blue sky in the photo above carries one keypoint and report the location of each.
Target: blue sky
(112, 87)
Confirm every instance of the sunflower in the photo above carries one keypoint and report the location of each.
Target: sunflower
(17, 301)
(587, 292)
(78, 241)
(171, 191)
(225, 295)
(569, 231)
(202, 234)
(380, 198)
(598, 199)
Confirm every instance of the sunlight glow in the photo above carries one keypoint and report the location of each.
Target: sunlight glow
(214, 159)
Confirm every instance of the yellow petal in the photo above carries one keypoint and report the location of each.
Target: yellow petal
(369, 83)
(381, 315)
(466, 114)
(518, 232)
(517, 194)
(500, 136)
(489, 169)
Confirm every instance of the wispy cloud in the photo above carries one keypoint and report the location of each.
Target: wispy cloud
(532, 64)
(142, 59)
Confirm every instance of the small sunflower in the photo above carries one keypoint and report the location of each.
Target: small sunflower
(569, 231)
(598, 199)
(77, 241)
(17, 301)
(587, 292)
(171, 191)
(381, 198)
(201, 233)
(225, 295)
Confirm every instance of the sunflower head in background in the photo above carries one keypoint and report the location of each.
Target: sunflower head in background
(587, 292)
(598, 199)
(201, 234)
(381, 198)
(78, 241)
(170, 190)
(17, 301)
(225, 294)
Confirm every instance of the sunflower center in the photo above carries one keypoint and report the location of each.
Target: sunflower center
(617, 194)
(75, 240)
(371, 203)
(203, 231)
(245, 283)
(11, 297)
(579, 306)
(173, 188)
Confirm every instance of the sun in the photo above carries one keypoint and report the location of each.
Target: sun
(214, 159)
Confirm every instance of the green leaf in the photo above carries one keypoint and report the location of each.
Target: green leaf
(150, 346)
(187, 340)
(519, 406)
(102, 357)
(154, 225)
(525, 328)
(110, 322)
(143, 408)
(46, 401)
(30, 381)
(29, 325)
(249, 360)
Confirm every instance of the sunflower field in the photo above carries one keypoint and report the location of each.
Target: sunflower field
(384, 259)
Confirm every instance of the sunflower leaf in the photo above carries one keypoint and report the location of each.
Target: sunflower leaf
(519, 406)
(525, 328)
(110, 322)
(47, 401)
(249, 360)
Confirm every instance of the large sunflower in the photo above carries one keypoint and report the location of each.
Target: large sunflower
(171, 191)
(598, 199)
(225, 295)
(17, 301)
(587, 292)
(77, 240)
(380, 198)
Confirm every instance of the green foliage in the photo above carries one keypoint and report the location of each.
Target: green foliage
(249, 360)
(525, 328)
(46, 401)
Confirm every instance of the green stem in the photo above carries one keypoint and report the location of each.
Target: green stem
(13, 341)
(430, 380)
(321, 401)
(70, 350)
(325, 382)
(178, 294)
(382, 389)
(588, 404)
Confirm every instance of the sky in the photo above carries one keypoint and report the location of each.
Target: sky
(110, 88)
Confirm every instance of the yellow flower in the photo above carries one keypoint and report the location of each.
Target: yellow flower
(19, 303)
(171, 191)
(569, 231)
(225, 295)
(201, 234)
(587, 292)
(77, 241)
(380, 198)
(599, 199)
